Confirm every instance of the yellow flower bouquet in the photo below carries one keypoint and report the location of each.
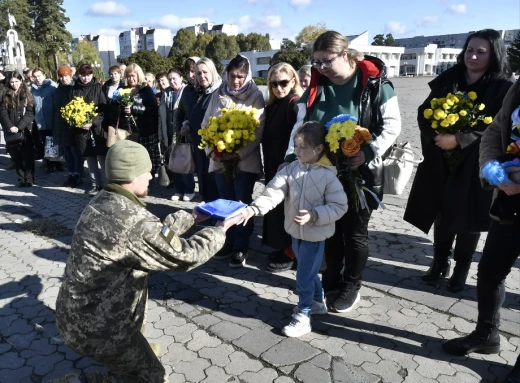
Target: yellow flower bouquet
(346, 139)
(228, 133)
(455, 113)
(77, 113)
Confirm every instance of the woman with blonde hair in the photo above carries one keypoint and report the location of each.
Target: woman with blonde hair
(280, 117)
(144, 111)
(305, 76)
(207, 81)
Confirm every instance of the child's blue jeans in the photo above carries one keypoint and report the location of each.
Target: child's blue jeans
(308, 283)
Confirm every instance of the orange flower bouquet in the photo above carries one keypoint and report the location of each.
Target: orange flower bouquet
(346, 139)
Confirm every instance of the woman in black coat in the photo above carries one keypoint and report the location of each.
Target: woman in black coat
(280, 117)
(450, 197)
(142, 116)
(89, 140)
(17, 115)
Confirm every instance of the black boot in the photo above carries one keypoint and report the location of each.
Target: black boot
(438, 268)
(514, 375)
(460, 273)
(481, 341)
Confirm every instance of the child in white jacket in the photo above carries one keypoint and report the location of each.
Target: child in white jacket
(314, 200)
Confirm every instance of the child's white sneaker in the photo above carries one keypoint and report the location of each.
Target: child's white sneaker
(176, 197)
(300, 325)
(319, 308)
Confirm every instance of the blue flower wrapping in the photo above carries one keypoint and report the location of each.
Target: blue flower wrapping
(340, 118)
(495, 172)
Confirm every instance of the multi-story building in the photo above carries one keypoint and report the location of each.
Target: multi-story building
(454, 40)
(144, 38)
(429, 60)
(209, 27)
(105, 45)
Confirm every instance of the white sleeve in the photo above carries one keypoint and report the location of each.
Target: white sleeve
(300, 118)
(391, 127)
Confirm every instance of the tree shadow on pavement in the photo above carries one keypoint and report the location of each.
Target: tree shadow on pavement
(403, 344)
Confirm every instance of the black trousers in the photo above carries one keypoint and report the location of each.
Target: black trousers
(207, 184)
(346, 252)
(465, 244)
(23, 158)
(500, 254)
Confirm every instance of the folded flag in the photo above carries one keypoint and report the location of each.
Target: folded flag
(222, 208)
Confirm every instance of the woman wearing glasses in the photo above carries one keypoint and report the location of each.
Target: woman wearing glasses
(280, 117)
(345, 83)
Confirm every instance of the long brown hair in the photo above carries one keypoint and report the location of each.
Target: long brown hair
(23, 92)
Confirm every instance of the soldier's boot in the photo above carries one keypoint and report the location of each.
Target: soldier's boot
(69, 378)
(156, 348)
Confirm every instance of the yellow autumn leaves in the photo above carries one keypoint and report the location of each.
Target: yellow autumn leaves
(230, 131)
(77, 112)
(455, 112)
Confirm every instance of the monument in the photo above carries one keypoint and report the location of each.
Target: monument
(12, 50)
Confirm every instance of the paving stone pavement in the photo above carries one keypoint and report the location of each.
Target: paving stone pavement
(217, 324)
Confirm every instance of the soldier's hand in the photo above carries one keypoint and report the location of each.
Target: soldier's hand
(230, 222)
(198, 216)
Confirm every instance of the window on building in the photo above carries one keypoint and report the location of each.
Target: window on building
(263, 60)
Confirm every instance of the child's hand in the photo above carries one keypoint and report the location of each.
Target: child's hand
(303, 218)
(247, 214)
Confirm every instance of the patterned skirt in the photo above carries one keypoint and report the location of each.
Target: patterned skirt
(151, 143)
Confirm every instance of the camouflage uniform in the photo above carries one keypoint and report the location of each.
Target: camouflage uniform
(101, 304)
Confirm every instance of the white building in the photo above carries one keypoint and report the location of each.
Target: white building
(209, 27)
(260, 61)
(144, 38)
(429, 60)
(105, 45)
(391, 56)
(454, 40)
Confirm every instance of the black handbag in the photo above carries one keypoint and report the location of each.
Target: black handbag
(13, 138)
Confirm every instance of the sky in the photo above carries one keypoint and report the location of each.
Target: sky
(285, 18)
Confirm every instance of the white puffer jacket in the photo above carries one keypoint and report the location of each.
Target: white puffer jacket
(311, 187)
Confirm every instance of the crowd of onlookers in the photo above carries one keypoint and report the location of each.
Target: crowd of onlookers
(172, 106)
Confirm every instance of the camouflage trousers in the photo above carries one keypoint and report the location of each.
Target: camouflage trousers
(136, 363)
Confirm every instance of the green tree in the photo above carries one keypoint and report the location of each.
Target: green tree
(149, 61)
(379, 40)
(513, 53)
(389, 40)
(49, 29)
(310, 33)
(222, 47)
(242, 42)
(86, 53)
(253, 41)
(20, 9)
(201, 44)
(291, 56)
(183, 43)
(287, 43)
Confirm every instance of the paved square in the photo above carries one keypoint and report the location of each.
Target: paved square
(217, 324)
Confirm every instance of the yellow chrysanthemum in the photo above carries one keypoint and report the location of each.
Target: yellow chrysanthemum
(435, 124)
(428, 113)
(439, 114)
(481, 107)
(445, 123)
(488, 120)
(472, 96)
(463, 113)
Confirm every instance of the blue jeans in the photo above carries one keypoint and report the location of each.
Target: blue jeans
(238, 189)
(184, 183)
(73, 159)
(308, 284)
(96, 168)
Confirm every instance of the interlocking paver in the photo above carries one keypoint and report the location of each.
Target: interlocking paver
(220, 323)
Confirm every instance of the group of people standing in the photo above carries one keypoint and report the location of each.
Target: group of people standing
(300, 170)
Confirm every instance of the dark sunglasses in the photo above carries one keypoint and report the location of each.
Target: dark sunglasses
(283, 83)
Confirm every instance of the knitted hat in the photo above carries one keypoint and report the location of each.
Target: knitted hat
(64, 71)
(126, 160)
